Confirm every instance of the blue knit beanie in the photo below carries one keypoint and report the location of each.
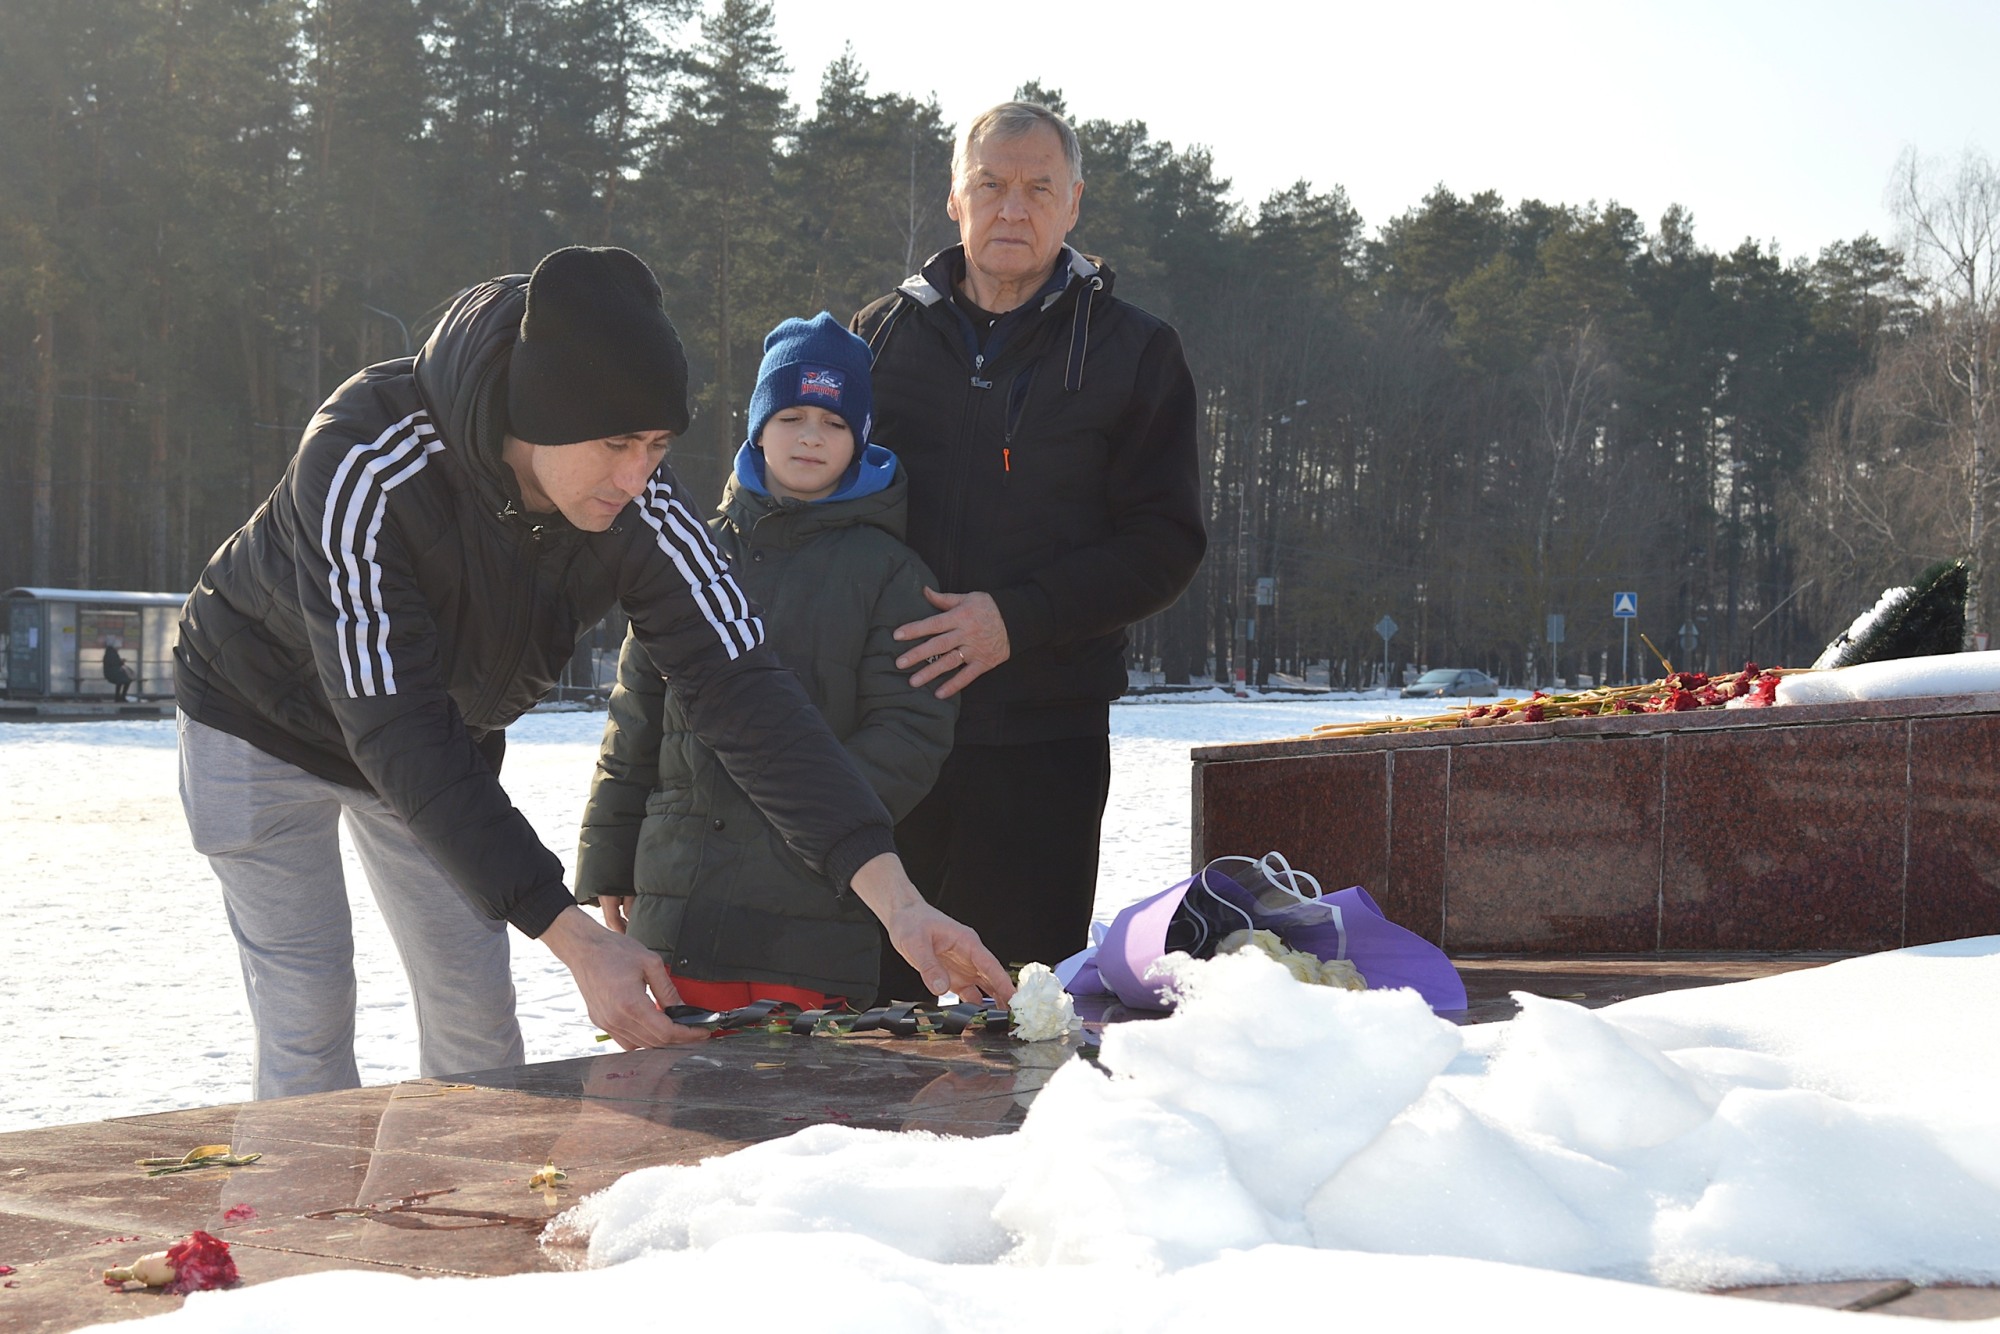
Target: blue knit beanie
(818, 364)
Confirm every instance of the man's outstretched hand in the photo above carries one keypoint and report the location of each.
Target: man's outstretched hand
(615, 975)
(947, 954)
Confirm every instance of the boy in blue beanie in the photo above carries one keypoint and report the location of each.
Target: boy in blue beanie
(671, 849)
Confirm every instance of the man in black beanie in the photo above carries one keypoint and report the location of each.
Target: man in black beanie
(451, 525)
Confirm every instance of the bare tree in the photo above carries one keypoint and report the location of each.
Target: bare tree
(1951, 219)
(1877, 499)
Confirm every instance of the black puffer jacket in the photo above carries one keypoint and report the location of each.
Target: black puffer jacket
(389, 611)
(716, 890)
(1054, 468)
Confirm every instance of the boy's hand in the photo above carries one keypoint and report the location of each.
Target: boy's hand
(614, 973)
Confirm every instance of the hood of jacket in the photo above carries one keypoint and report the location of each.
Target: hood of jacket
(883, 502)
(461, 376)
(933, 283)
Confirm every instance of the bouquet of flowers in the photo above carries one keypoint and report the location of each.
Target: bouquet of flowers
(1753, 687)
(1339, 939)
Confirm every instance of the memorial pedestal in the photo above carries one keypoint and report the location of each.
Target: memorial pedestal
(1848, 827)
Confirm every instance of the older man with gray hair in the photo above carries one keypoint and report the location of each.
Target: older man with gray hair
(1048, 429)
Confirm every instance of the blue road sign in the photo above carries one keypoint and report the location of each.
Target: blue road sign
(1625, 605)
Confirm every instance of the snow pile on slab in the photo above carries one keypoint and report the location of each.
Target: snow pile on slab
(1262, 1153)
(1841, 1122)
(1897, 678)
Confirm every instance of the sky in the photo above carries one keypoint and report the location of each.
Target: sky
(1778, 120)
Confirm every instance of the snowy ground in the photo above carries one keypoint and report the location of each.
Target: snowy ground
(121, 992)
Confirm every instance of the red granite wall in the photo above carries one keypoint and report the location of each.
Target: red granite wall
(1829, 827)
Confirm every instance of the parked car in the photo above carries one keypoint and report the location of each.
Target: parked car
(1451, 683)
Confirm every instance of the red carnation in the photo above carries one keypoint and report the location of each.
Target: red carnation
(200, 1262)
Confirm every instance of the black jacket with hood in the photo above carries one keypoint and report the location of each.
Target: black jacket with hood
(1053, 465)
(390, 610)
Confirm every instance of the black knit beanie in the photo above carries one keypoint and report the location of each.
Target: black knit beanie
(597, 356)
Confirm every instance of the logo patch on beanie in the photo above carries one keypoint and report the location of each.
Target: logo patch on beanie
(821, 384)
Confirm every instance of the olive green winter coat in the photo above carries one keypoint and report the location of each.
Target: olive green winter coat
(716, 891)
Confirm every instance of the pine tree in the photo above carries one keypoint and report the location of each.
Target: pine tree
(717, 221)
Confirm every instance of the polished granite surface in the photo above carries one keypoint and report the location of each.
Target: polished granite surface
(432, 1176)
(1826, 827)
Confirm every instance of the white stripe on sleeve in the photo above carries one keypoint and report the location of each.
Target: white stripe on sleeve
(681, 536)
(357, 500)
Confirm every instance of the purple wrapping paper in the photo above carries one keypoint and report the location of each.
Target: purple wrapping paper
(1387, 955)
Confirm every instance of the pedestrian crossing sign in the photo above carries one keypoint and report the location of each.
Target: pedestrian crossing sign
(1624, 605)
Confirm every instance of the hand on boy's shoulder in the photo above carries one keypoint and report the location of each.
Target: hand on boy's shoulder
(964, 641)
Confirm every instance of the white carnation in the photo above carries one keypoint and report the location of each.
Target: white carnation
(1041, 1009)
(1341, 973)
(1304, 967)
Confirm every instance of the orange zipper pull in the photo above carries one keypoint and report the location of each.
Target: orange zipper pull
(1006, 460)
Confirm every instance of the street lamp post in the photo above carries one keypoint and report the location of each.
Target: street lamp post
(394, 319)
(1239, 603)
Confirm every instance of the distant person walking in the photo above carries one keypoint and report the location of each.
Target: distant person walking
(1049, 433)
(449, 527)
(116, 672)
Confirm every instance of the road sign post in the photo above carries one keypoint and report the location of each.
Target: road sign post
(1555, 644)
(1386, 627)
(1625, 606)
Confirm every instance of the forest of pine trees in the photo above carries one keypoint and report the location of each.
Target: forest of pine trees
(1468, 416)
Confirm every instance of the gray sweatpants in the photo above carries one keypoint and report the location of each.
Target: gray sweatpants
(271, 831)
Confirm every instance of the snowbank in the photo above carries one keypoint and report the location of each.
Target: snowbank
(1263, 1153)
(1834, 1123)
(1898, 678)
(846, 1284)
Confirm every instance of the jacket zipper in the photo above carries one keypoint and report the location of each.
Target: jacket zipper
(518, 621)
(962, 475)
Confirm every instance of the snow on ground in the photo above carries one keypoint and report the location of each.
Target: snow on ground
(1274, 1151)
(121, 992)
(1813, 1126)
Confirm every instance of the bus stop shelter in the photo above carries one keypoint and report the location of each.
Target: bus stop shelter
(56, 639)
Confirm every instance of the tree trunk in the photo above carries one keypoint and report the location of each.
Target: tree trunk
(41, 524)
(1975, 619)
(725, 388)
(86, 452)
